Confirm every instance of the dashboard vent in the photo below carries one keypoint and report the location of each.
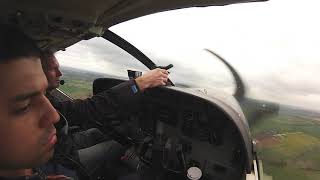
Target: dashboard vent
(188, 118)
(164, 115)
(204, 134)
(167, 116)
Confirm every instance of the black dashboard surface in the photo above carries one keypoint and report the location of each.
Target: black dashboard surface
(174, 130)
(208, 138)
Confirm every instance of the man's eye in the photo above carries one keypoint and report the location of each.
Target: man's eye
(22, 110)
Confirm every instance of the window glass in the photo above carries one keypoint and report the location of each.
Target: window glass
(274, 46)
(87, 60)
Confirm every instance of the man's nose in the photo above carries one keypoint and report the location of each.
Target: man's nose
(59, 73)
(50, 116)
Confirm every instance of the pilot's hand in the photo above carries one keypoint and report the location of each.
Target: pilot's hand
(153, 78)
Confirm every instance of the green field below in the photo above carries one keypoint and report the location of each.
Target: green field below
(77, 88)
(78, 83)
(289, 147)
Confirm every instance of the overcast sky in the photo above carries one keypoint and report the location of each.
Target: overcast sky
(275, 46)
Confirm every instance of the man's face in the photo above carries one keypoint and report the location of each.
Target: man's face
(27, 132)
(52, 72)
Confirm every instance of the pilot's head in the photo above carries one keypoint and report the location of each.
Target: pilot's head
(51, 69)
(27, 118)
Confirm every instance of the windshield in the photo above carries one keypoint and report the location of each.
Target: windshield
(274, 46)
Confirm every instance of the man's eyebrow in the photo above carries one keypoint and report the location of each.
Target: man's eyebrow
(25, 96)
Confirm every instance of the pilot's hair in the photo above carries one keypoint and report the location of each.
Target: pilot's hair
(15, 44)
(46, 56)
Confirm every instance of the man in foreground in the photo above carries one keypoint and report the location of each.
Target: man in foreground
(27, 132)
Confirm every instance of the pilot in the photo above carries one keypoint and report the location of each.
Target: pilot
(90, 146)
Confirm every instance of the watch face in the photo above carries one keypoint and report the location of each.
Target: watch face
(134, 74)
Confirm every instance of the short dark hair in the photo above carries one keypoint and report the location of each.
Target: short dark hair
(15, 44)
(46, 56)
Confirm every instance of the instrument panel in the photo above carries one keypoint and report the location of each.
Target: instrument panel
(188, 131)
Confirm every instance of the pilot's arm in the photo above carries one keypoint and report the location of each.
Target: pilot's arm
(113, 103)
